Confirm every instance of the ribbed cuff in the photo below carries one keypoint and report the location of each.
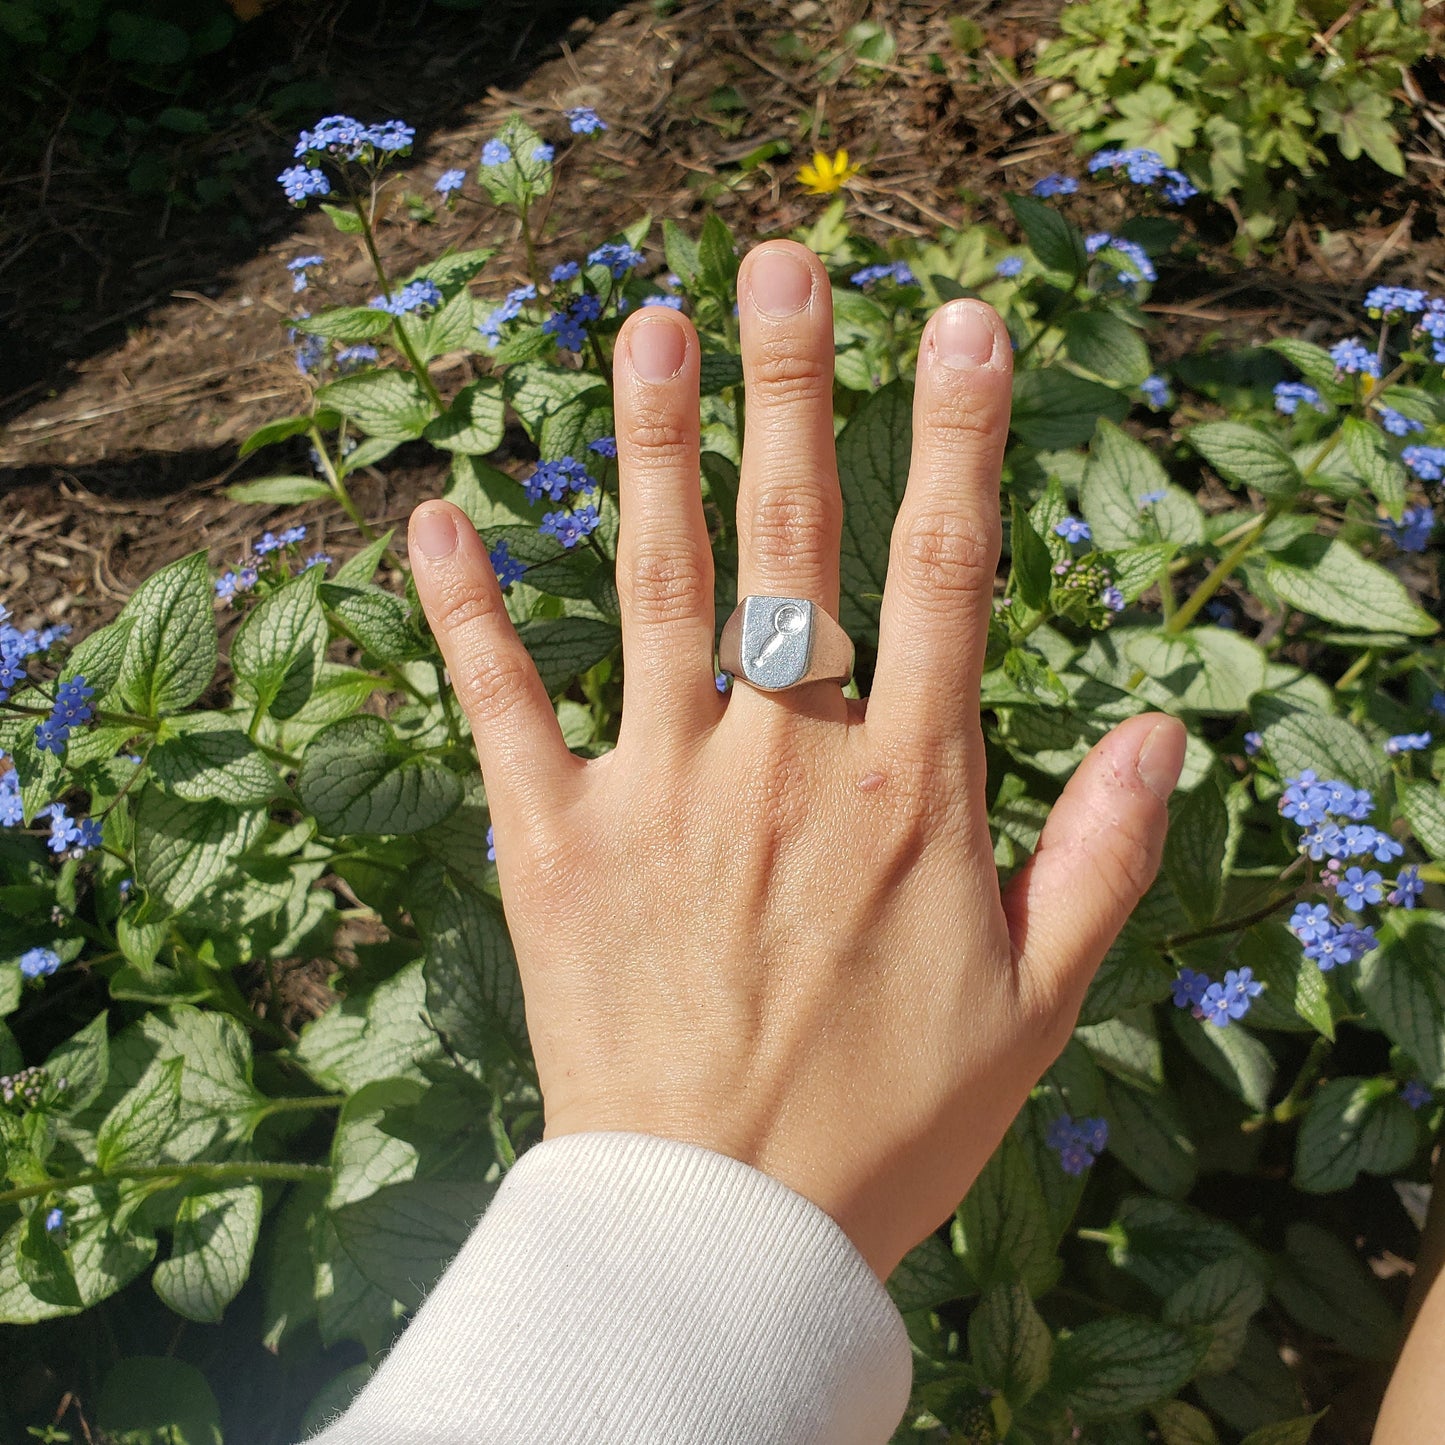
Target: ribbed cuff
(624, 1288)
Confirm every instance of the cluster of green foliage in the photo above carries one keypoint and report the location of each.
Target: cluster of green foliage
(1247, 96)
(250, 1217)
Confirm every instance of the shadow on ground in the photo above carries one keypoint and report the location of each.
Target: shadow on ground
(84, 258)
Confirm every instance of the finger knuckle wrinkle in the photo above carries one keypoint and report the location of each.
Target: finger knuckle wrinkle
(662, 438)
(794, 526)
(948, 555)
(966, 422)
(784, 376)
(488, 683)
(464, 610)
(663, 585)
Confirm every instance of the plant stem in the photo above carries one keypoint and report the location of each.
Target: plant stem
(403, 341)
(1356, 668)
(1228, 564)
(338, 487)
(297, 1103)
(210, 1173)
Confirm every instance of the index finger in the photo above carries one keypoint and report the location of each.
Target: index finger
(946, 537)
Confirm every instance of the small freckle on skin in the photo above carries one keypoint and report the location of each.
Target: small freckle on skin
(871, 782)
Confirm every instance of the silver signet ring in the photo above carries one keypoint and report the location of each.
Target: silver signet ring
(775, 643)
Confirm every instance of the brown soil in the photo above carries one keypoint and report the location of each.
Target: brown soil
(120, 467)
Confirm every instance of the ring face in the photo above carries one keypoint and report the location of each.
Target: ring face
(776, 641)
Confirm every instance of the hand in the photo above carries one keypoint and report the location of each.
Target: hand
(770, 924)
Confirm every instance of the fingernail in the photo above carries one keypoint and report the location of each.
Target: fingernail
(658, 349)
(1161, 759)
(435, 533)
(780, 282)
(965, 335)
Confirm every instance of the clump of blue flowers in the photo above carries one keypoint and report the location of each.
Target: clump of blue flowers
(900, 273)
(1078, 1144)
(341, 140)
(1217, 1003)
(1145, 168)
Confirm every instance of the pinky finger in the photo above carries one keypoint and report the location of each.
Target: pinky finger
(524, 760)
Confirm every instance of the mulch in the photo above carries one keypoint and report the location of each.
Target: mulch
(122, 467)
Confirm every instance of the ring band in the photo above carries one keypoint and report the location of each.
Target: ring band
(776, 643)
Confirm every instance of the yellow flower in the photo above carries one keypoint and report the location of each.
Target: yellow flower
(825, 176)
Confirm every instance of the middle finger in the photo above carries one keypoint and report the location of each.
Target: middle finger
(790, 510)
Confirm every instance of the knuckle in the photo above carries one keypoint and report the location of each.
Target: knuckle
(945, 555)
(661, 436)
(784, 375)
(488, 682)
(664, 584)
(964, 422)
(462, 610)
(796, 526)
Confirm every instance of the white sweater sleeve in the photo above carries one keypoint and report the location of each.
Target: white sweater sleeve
(628, 1290)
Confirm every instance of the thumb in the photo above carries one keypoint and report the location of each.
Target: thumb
(1096, 858)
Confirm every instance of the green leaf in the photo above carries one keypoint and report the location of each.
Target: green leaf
(389, 404)
(1240, 1061)
(277, 652)
(155, 1400)
(170, 653)
(1148, 1136)
(1109, 1368)
(1194, 849)
(403, 1237)
(1203, 669)
(367, 1154)
(136, 1129)
(455, 268)
(1223, 1297)
(1183, 1424)
(1296, 739)
(1246, 456)
(1002, 1231)
(359, 570)
(1011, 1346)
(181, 848)
(929, 1275)
(357, 776)
(84, 1060)
(1056, 241)
(1424, 806)
(205, 756)
(474, 995)
(563, 647)
(1291, 981)
(1053, 408)
(1285, 1432)
(474, 422)
(1403, 985)
(1107, 345)
(363, 1038)
(1324, 1286)
(1377, 465)
(681, 252)
(344, 219)
(1118, 473)
(718, 370)
(1327, 577)
(1165, 1244)
(99, 657)
(43, 1264)
(549, 400)
(279, 491)
(449, 328)
(873, 453)
(1032, 562)
(279, 431)
(211, 1248)
(347, 323)
(375, 619)
(1353, 1125)
(717, 258)
(1313, 362)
